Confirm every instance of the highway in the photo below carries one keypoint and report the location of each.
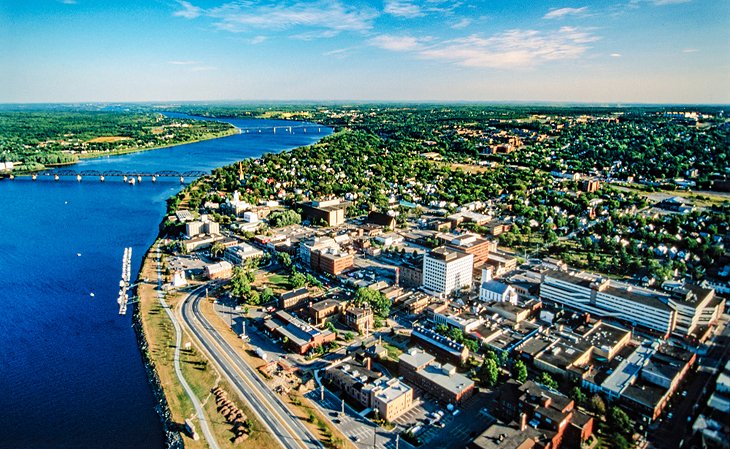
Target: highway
(284, 426)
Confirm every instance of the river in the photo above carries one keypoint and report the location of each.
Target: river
(71, 375)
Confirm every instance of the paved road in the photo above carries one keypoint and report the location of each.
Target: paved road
(284, 426)
(178, 337)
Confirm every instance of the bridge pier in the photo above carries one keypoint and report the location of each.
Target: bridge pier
(34, 176)
(56, 177)
(154, 178)
(101, 178)
(78, 178)
(182, 180)
(124, 179)
(139, 178)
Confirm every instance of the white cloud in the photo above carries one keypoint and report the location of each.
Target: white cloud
(329, 15)
(511, 49)
(396, 43)
(188, 11)
(403, 8)
(258, 39)
(690, 50)
(615, 55)
(68, 2)
(562, 12)
(182, 62)
(463, 23)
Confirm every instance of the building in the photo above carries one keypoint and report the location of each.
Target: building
(389, 397)
(605, 298)
(331, 261)
(446, 270)
(410, 274)
(322, 311)
(329, 212)
(220, 270)
(324, 254)
(473, 244)
(360, 319)
(442, 346)
(381, 219)
(697, 309)
(491, 290)
(442, 381)
(297, 335)
(590, 185)
(501, 263)
(238, 254)
(293, 298)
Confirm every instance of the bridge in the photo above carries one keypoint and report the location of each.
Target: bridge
(130, 177)
(290, 129)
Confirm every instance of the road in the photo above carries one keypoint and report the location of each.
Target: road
(207, 434)
(280, 422)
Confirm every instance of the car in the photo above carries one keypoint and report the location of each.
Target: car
(355, 438)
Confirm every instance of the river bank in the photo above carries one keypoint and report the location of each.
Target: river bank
(156, 338)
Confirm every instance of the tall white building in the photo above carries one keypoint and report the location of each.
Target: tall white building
(446, 270)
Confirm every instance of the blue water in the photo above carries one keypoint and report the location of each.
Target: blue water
(71, 375)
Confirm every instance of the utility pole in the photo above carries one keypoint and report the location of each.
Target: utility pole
(397, 439)
(321, 393)
(343, 406)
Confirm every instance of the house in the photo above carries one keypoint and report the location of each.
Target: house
(446, 270)
(220, 270)
(360, 319)
(293, 298)
(297, 335)
(384, 220)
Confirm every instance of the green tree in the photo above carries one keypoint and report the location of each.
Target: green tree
(217, 249)
(240, 285)
(266, 295)
(578, 396)
(619, 421)
(297, 280)
(491, 372)
(547, 380)
(519, 371)
(379, 303)
(284, 259)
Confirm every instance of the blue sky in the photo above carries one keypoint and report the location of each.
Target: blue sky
(430, 50)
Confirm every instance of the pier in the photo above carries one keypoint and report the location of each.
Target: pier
(124, 284)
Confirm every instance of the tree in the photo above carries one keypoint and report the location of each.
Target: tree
(577, 395)
(597, 405)
(254, 298)
(331, 326)
(379, 303)
(266, 295)
(548, 381)
(619, 442)
(280, 219)
(519, 371)
(491, 372)
(297, 280)
(284, 259)
(240, 286)
(619, 421)
(217, 249)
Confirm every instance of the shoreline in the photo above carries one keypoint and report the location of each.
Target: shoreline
(165, 389)
(87, 156)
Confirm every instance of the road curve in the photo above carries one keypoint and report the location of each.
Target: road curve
(285, 427)
(178, 338)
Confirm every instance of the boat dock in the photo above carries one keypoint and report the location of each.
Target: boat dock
(124, 284)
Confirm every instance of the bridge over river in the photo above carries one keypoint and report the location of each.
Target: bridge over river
(127, 176)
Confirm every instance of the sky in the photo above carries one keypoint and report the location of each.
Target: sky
(598, 51)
